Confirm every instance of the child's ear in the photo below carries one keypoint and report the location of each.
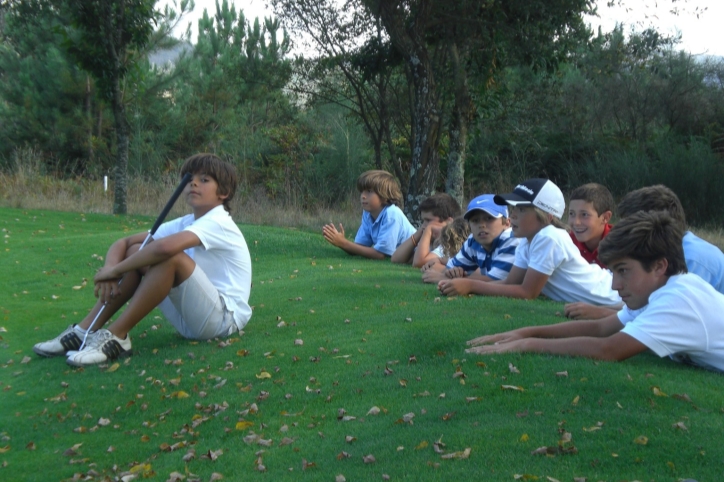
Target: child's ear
(448, 220)
(660, 266)
(607, 216)
(505, 221)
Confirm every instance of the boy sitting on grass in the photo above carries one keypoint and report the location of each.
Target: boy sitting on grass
(436, 211)
(489, 251)
(669, 311)
(702, 258)
(384, 226)
(196, 269)
(590, 210)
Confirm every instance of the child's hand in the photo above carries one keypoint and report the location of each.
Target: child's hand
(456, 272)
(432, 276)
(584, 311)
(334, 237)
(106, 284)
(429, 265)
(452, 287)
(435, 228)
(504, 337)
(513, 346)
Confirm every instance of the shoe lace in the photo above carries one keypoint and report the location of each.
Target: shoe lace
(98, 338)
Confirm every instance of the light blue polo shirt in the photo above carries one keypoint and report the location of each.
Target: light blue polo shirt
(387, 232)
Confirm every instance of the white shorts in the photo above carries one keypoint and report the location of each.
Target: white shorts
(196, 309)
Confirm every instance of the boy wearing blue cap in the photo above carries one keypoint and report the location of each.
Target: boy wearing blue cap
(489, 251)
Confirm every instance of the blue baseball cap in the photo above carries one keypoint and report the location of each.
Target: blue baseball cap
(485, 202)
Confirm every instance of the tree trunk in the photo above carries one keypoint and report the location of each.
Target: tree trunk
(408, 39)
(462, 111)
(121, 170)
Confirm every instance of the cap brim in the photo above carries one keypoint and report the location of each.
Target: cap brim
(510, 198)
(468, 214)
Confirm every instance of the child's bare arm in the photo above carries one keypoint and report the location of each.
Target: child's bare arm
(336, 238)
(599, 339)
(596, 328)
(613, 348)
(423, 254)
(153, 253)
(529, 288)
(583, 311)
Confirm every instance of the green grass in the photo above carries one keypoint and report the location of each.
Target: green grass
(47, 407)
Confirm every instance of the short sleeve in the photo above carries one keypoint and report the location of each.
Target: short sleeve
(545, 254)
(364, 234)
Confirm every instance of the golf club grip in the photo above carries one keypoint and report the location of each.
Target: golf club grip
(184, 180)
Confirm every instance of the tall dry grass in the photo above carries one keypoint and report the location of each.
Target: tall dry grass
(27, 187)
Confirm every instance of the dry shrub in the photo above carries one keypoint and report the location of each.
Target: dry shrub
(28, 189)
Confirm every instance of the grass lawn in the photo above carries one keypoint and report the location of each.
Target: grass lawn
(332, 336)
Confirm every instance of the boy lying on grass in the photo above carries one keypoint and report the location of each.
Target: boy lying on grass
(196, 269)
(702, 258)
(423, 246)
(489, 251)
(667, 310)
(384, 226)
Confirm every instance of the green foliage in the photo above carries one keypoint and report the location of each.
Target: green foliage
(47, 102)
(314, 289)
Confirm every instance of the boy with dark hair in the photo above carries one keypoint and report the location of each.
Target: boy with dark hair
(435, 212)
(384, 226)
(702, 258)
(488, 253)
(196, 269)
(669, 311)
(591, 208)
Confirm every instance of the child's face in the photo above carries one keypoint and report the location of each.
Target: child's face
(634, 284)
(485, 228)
(202, 193)
(428, 218)
(371, 202)
(586, 223)
(524, 222)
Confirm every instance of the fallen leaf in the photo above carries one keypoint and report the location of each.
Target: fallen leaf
(373, 411)
(680, 426)
(562, 374)
(422, 445)
(25, 360)
(657, 391)
(369, 459)
(244, 424)
(263, 374)
(340, 478)
(512, 387)
(512, 368)
(457, 455)
(113, 367)
(576, 400)
(641, 440)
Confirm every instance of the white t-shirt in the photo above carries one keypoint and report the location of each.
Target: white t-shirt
(223, 256)
(683, 320)
(570, 277)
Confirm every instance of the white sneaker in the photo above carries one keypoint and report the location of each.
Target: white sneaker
(104, 346)
(71, 339)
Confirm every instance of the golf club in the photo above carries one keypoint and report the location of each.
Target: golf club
(185, 180)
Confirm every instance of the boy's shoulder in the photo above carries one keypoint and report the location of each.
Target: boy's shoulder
(688, 287)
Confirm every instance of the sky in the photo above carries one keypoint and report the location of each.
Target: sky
(700, 36)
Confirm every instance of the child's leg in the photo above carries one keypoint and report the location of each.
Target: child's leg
(127, 288)
(152, 289)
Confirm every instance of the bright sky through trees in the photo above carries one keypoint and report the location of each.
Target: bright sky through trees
(702, 35)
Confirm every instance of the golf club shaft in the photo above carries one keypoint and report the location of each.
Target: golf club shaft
(184, 180)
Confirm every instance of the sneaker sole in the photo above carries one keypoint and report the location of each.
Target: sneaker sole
(124, 354)
(71, 342)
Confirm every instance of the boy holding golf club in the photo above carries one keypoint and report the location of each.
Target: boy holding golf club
(196, 269)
